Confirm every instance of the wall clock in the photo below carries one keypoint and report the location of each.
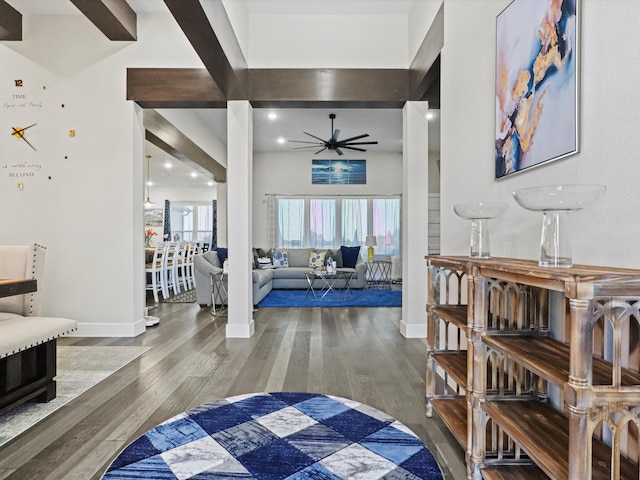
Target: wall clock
(21, 133)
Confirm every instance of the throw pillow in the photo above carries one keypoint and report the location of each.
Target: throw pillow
(350, 256)
(223, 253)
(254, 252)
(280, 259)
(316, 259)
(337, 257)
(264, 262)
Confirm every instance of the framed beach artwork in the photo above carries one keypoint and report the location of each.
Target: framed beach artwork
(153, 217)
(338, 172)
(536, 84)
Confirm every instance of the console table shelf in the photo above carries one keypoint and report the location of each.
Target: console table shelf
(528, 422)
(527, 364)
(453, 412)
(513, 472)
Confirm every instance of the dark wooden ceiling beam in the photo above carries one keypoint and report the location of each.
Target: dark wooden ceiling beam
(10, 22)
(299, 88)
(173, 88)
(115, 18)
(326, 87)
(164, 135)
(422, 75)
(215, 43)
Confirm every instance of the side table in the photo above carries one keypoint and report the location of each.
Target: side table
(379, 274)
(218, 293)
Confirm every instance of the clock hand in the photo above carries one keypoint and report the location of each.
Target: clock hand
(19, 133)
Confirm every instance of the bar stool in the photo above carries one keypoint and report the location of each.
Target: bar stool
(157, 273)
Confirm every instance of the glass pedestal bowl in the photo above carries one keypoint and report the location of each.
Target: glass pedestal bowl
(555, 202)
(480, 213)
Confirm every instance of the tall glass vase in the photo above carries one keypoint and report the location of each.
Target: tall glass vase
(479, 213)
(555, 247)
(555, 202)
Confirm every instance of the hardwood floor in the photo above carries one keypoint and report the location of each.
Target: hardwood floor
(356, 353)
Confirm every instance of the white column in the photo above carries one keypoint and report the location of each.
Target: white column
(415, 199)
(221, 197)
(239, 219)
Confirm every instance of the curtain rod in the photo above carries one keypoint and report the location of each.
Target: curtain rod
(331, 195)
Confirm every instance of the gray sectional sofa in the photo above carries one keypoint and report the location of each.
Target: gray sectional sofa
(292, 276)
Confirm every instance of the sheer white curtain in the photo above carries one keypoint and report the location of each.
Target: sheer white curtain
(322, 223)
(331, 221)
(354, 221)
(290, 219)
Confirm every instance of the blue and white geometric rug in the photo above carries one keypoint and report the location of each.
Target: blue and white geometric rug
(273, 436)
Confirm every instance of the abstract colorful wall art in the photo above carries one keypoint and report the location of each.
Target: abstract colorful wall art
(536, 84)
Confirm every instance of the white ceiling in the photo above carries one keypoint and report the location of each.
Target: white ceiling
(383, 125)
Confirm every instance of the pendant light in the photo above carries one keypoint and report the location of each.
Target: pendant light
(148, 202)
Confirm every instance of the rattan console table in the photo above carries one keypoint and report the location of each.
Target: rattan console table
(536, 371)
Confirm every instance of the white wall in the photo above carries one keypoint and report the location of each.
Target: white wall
(89, 213)
(329, 41)
(421, 17)
(606, 233)
(290, 173)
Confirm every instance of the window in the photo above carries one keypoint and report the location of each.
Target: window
(328, 222)
(192, 221)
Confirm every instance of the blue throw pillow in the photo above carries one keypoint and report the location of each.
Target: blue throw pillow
(222, 254)
(349, 256)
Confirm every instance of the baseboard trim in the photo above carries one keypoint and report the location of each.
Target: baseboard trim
(244, 330)
(110, 329)
(413, 330)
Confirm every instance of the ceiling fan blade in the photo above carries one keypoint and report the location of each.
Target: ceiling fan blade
(334, 137)
(321, 150)
(352, 148)
(302, 141)
(307, 146)
(317, 138)
(355, 138)
(339, 152)
(358, 143)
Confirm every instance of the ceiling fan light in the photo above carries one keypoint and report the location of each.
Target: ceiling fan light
(334, 143)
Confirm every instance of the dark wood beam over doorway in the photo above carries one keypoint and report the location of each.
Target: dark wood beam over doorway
(164, 135)
(115, 18)
(10, 22)
(288, 88)
(173, 88)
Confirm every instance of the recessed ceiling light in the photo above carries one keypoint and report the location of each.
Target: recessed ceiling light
(281, 140)
(168, 165)
(194, 174)
(272, 116)
(149, 183)
(210, 184)
(430, 115)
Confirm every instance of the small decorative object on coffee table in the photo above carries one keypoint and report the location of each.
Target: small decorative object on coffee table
(480, 213)
(555, 202)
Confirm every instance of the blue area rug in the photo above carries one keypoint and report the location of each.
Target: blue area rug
(274, 436)
(356, 298)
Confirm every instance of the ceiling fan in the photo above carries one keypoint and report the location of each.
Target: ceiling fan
(333, 143)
